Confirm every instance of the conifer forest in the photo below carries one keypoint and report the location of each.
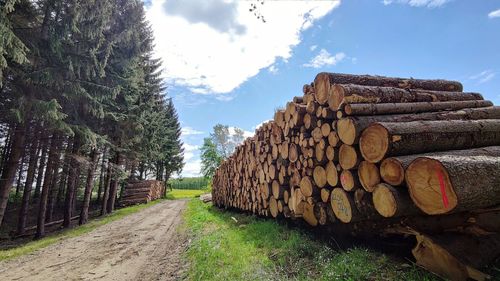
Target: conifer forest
(82, 108)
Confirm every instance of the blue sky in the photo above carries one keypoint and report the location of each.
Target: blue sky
(223, 65)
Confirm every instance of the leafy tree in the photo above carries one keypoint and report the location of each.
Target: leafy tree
(210, 158)
(219, 146)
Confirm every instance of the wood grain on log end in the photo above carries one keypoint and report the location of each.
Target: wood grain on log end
(392, 171)
(342, 205)
(373, 143)
(369, 175)
(430, 186)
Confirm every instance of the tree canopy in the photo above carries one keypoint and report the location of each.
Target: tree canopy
(79, 84)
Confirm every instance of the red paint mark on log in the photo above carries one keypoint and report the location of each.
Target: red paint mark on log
(442, 187)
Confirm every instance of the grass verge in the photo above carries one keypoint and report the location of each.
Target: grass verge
(73, 232)
(185, 193)
(231, 246)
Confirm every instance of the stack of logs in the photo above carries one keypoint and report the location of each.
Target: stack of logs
(379, 154)
(142, 192)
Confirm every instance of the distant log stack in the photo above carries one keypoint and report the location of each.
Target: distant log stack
(360, 150)
(142, 192)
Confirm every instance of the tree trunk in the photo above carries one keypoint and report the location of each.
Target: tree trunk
(64, 176)
(114, 185)
(20, 173)
(42, 210)
(9, 173)
(350, 129)
(350, 93)
(102, 173)
(410, 108)
(30, 176)
(89, 185)
(385, 139)
(41, 168)
(72, 182)
(454, 181)
(53, 185)
(6, 149)
(107, 183)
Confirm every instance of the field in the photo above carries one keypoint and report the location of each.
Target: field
(189, 183)
(185, 193)
(232, 246)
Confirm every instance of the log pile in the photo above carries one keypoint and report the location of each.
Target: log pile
(142, 192)
(377, 154)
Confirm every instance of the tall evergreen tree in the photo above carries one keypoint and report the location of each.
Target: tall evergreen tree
(79, 79)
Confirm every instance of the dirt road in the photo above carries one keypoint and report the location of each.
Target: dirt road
(142, 246)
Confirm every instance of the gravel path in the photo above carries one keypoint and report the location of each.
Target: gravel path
(142, 246)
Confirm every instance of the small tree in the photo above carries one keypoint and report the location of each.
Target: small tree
(210, 158)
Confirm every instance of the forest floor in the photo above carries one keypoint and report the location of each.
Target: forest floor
(146, 245)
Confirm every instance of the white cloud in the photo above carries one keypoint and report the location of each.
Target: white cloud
(213, 46)
(494, 14)
(190, 151)
(483, 76)
(192, 168)
(273, 69)
(325, 58)
(188, 131)
(313, 47)
(418, 3)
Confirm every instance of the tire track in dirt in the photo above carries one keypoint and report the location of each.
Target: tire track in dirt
(143, 246)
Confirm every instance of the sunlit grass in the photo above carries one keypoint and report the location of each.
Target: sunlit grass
(79, 230)
(185, 193)
(231, 246)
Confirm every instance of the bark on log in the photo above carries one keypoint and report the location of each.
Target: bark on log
(410, 108)
(323, 82)
(386, 139)
(351, 93)
(349, 129)
(455, 181)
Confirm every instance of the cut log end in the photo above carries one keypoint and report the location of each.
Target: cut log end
(319, 176)
(348, 157)
(373, 143)
(369, 175)
(384, 201)
(337, 96)
(348, 180)
(322, 87)
(347, 130)
(341, 205)
(430, 186)
(331, 174)
(392, 171)
(306, 186)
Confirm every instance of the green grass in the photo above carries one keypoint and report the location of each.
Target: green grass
(79, 230)
(189, 183)
(257, 249)
(185, 193)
